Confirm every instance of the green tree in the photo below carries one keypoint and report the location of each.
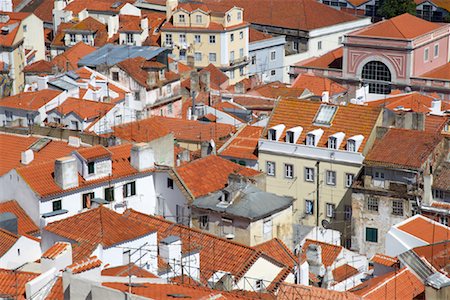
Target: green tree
(392, 8)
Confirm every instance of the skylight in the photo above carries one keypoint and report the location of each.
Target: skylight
(325, 114)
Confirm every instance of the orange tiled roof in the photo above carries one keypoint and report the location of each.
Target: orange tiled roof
(425, 229)
(401, 284)
(296, 291)
(403, 148)
(404, 27)
(437, 254)
(351, 119)
(42, 9)
(39, 67)
(441, 179)
(56, 293)
(344, 272)
(357, 2)
(24, 223)
(435, 123)
(276, 89)
(442, 72)
(278, 250)
(11, 147)
(31, 101)
(85, 109)
(317, 84)
(210, 174)
(254, 102)
(12, 284)
(9, 39)
(217, 78)
(97, 226)
(384, 260)
(89, 24)
(182, 68)
(94, 152)
(128, 270)
(129, 23)
(330, 60)
(414, 101)
(256, 35)
(329, 251)
(215, 253)
(85, 265)
(40, 176)
(55, 250)
(99, 5)
(244, 144)
(68, 60)
(7, 240)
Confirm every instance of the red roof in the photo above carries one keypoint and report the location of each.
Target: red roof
(85, 109)
(97, 226)
(31, 101)
(384, 260)
(85, 265)
(401, 284)
(276, 89)
(13, 24)
(55, 250)
(39, 67)
(42, 9)
(344, 272)
(256, 35)
(330, 252)
(403, 148)
(128, 270)
(297, 291)
(68, 60)
(442, 72)
(7, 240)
(129, 23)
(414, 101)
(317, 84)
(90, 25)
(425, 229)
(56, 293)
(12, 283)
(244, 143)
(210, 174)
(94, 152)
(403, 27)
(438, 255)
(278, 250)
(330, 60)
(24, 223)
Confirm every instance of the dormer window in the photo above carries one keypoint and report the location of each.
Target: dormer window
(351, 147)
(332, 143)
(335, 140)
(354, 142)
(228, 17)
(198, 19)
(293, 134)
(289, 137)
(275, 132)
(181, 19)
(272, 135)
(310, 140)
(325, 114)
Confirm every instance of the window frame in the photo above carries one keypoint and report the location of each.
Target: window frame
(212, 39)
(197, 38)
(170, 183)
(269, 165)
(373, 203)
(111, 193)
(436, 50)
(307, 177)
(57, 204)
(203, 222)
(330, 210)
(373, 231)
(214, 55)
(319, 45)
(309, 202)
(398, 209)
(84, 199)
(426, 55)
(273, 55)
(287, 171)
(129, 189)
(330, 174)
(348, 183)
(91, 167)
(197, 55)
(169, 39)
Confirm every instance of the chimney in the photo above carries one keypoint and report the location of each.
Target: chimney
(427, 189)
(66, 172)
(328, 279)
(42, 82)
(304, 274)
(325, 96)
(144, 24)
(190, 61)
(128, 99)
(205, 81)
(314, 259)
(170, 6)
(239, 88)
(151, 78)
(142, 157)
(195, 85)
(436, 106)
(170, 249)
(27, 157)
(74, 141)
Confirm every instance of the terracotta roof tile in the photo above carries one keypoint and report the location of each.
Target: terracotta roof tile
(94, 152)
(85, 265)
(414, 101)
(404, 27)
(256, 35)
(31, 101)
(344, 272)
(128, 23)
(442, 72)
(317, 84)
(9, 39)
(99, 5)
(97, 226)
(56, 293)
(24, 223)
(276, 89)
(278, 250)
(68, 60)
(42, 9)
(384, 260)
(89, 24)
(254, 102)
(39, 67)
(7, 240)
(55, 250)
(351, 119)
(296, 291)
(403, 148)
(210, 174)
(329, 252)
(244, 143)
(443, 205)
(11, 147)
(85, 109)
(12, 284)
(437, 254)
(330, 60)
(401, 284)
(128, 270)
(425, 229)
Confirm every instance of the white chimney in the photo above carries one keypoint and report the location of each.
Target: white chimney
(325, 96)
(74, 141)
(27, 157)
(66, 172)
(436, 105)
(142, 156)
(42, 83)
(304, 274)
(328, 279)
(427, 191)
(170, 249)
(314, 259)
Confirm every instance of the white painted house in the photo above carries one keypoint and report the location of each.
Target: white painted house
(16, 250)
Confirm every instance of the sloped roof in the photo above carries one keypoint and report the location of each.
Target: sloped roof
(403, 148)
(94, 152)
(276, 89)
(244, 143)
(13, 24)
(256, 35)
(55, 250)
(39, 67)
(7, 240)
(297, 291)
(330, 60)
(437, 254)
(128, 23)
(42, 9)
(404, 27)
(441, 72)
(97, 226)
(12, 283)
(84, 265)
(56, 293)
(344, 272)
(85, 109)
(278, 250)
(31, 101)
(330, 252)
(441, 179)
(89, 24)
(425, 229)
(350, 119)
(414, 101)
(68, 60)
(384, 260)
(127, 270)
(210, 174)
(317, 84)
(24, 223)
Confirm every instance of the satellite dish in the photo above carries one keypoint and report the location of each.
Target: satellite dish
(326, 224)
(229, 236)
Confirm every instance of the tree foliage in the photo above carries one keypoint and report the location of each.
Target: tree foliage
(392, 8)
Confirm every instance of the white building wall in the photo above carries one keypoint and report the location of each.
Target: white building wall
(262, 269)
(168, 199)
(23, 251)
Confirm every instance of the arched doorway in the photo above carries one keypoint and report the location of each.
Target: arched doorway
(378, 76)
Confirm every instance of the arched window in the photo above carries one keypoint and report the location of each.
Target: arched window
(378, 76)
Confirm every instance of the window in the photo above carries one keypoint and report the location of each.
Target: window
(129, 189)
(295, 46)
(309, 207)
(57, 205)
(425, 54)
(241, 52)
(288, 171)
(289, 137)
(109, 194)
(203, 222)
(182, 54)
(24, 28)
(438, 194)
(372, 203)
(197, 39)
(340, 40)
(212, 39)
(180, 213)
(325, 114)
(228, 17)
(115, 76)
(331, 210)
(272, 72)
(253, 59)
(169, 90)
(443, 220)
(319, 45)
(272, 135)
(241, 71)
(85, 38)
(73, 38)
(181, 18)
(436, 50)
(212, 57)
(310, 140)
(259, 285)
(169, 109)
(270, 168)
(91, 167)
(231, 56)
(331, 177)
(239, 15)
(232, 74)
(182, 38)
(349, 179)
(198, 56)
(351, 146)
(267, 229)
(309, 174)
(332, 143)
(86, 199)
(170, 183)
(371, 235)
(198, 19)
(273, 55)
(378, 76)
(130, 38)
(397, 207)
(169, 39)
(231, 37)
(241, 35)
(347, 212)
